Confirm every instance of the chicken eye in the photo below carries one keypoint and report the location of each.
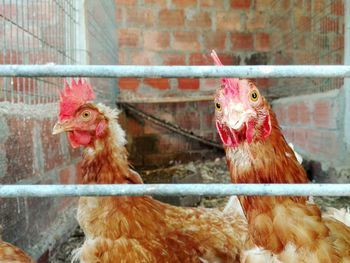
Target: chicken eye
(218, 106)
(254, 96)
(86, 115)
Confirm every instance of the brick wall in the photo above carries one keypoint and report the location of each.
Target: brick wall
(182, 32)
(30, 154)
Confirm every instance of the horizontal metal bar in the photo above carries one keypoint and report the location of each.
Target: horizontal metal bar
(112, 71)
(175, 190)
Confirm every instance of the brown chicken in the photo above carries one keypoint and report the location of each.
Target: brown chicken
(11, 254)
(136, 229)
(256, 151)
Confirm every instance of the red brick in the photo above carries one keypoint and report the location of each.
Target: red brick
(158, 83)
(140, 17)
(171, 18)
(134, 128)
(338, 43)
(173, 59)
(11, 57)
(129, 37)
(215, 40)
(242, 4)
(337, 7)
(65, 175)
(188, 84)
(328, 24)
(303, 23)
(200, 20)
(208, 121)
(242, 41)
(186, 41)
(128, 83)
(184, 3)
(125, 2)
(158, 3)
(200, 59)
(228, 21)
(262, 42)
(304, 113)
(188, 120)
(78, 173)
(262, 83)
(118, 15)
(323, 114)
(154, 129)
(293, 114)
(156, 40)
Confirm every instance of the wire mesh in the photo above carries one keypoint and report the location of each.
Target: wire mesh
(307, 32)
(53, 32)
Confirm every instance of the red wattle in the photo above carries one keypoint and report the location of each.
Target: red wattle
(78, 138)
(228, 136)
(71, 139)
(223, 135)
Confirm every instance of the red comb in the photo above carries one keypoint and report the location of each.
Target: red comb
(231, 84)
(72, 97)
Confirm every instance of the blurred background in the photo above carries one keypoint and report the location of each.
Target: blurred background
(312, 112)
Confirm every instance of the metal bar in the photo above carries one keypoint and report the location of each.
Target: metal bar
(347, 80)
(175, 190)
(112, 71)
(176, 99)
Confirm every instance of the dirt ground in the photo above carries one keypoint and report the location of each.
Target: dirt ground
(214, 171)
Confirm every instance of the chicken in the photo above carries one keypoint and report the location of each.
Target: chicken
(11, 254)
(137, 228)
(291, 228)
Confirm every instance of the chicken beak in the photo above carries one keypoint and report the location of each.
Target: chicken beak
(60, 127)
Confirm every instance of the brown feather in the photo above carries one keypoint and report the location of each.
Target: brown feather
(11, 254)
(286, 226)
(141, 229)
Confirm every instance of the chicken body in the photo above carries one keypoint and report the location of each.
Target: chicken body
(11, 254)
(291, 228)
(140, 229)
